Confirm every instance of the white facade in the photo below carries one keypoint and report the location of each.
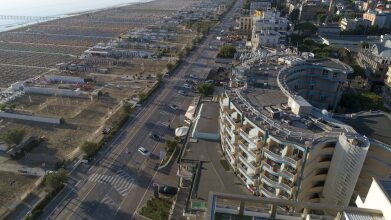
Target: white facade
(378, 197)
(269, 30)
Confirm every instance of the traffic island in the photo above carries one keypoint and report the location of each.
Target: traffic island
(157, 209)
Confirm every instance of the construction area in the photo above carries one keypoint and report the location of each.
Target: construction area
(65, 80)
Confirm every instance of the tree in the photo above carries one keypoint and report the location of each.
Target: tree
(363, 44)
(89, 148)
(306, 29)
(170, 66)
(170, 145)
(205, 89)
(294, 15)
(227, 51)
(14, 136)
(321, 18)
(56, 180)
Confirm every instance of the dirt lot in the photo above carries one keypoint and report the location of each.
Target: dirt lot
(8, 192)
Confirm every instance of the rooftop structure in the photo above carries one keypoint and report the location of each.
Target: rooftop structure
(229, 205)
(278, 136)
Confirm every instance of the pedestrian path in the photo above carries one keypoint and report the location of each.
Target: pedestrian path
(121, 181)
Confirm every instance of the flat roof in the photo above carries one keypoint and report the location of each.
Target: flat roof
(375, 126)
(208, 115)
(386, 186)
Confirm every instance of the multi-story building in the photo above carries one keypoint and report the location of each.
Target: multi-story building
(245, 24)
(231, 206)
(281, 143)
(262, 5)
(352, 24)
(375, 60)
(380, 18)
(269, 29)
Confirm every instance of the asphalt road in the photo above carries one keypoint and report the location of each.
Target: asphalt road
(120, 181)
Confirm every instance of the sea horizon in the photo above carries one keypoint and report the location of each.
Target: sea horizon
(52, 8)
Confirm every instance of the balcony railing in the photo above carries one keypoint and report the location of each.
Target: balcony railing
(278, 158)
(251, 140)
(250, 163)
(245, 173)
(288, 175)
(246, 150)
(232, 147)
(230, 120)
(272, 170)
(268, 194)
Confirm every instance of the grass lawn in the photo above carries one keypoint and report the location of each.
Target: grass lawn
(221, 216)
(157, 209)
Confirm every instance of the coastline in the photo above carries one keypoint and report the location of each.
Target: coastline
(23, 24)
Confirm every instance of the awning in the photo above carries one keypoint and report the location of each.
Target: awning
(181, 131)
(190, 112)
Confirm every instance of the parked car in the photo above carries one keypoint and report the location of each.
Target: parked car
(182, 92)
(154, 136)
(144, 152)
(173, 107)
(187, 86)
(106, 130)
(193, 76)
(168, 190)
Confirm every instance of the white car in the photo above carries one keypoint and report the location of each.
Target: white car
(193, 76)
(182, 92)
(173, 107)
(187, 86)
(144, 152)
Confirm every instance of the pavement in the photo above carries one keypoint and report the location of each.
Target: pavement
(119, 181)
(20, 169)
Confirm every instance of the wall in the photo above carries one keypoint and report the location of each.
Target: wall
(30, 118)
(51, 91)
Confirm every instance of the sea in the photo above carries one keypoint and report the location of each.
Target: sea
(49, 8)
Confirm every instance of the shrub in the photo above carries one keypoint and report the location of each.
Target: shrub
(14, 136)
(205, 89)
(56, 179)
(227, 51)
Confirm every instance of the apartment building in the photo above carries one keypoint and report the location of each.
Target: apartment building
(269, 29)
(245, 24)
(375, 60)
(262, 5)
(232, 206)
(380, 18)
(280, 140)
(351, 24)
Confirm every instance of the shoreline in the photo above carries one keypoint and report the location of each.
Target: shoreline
(10, 27)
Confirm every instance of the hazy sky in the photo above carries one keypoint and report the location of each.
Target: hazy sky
(54, 7)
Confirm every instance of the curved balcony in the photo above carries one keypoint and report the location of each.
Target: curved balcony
(251, 164)
(231, 146)
(231, 121)
(272, 183)
(247, 150)
(274, 171)
(267, 193)
(252, 141)
(279, 158)
(245, 173)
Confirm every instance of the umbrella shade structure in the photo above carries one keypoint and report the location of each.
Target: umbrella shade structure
(181, 131)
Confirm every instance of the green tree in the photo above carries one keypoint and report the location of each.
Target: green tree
(294, 15)
(306, 29)
(14, 136)
(227, 51)
(363, 44)
(205, 89)
(89, 148)
(321, 18)
(170, 145)
(56, 179)
(170, 66)
(246, 4)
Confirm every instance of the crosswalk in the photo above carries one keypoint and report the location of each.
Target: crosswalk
(121, 181)
(108, 201)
